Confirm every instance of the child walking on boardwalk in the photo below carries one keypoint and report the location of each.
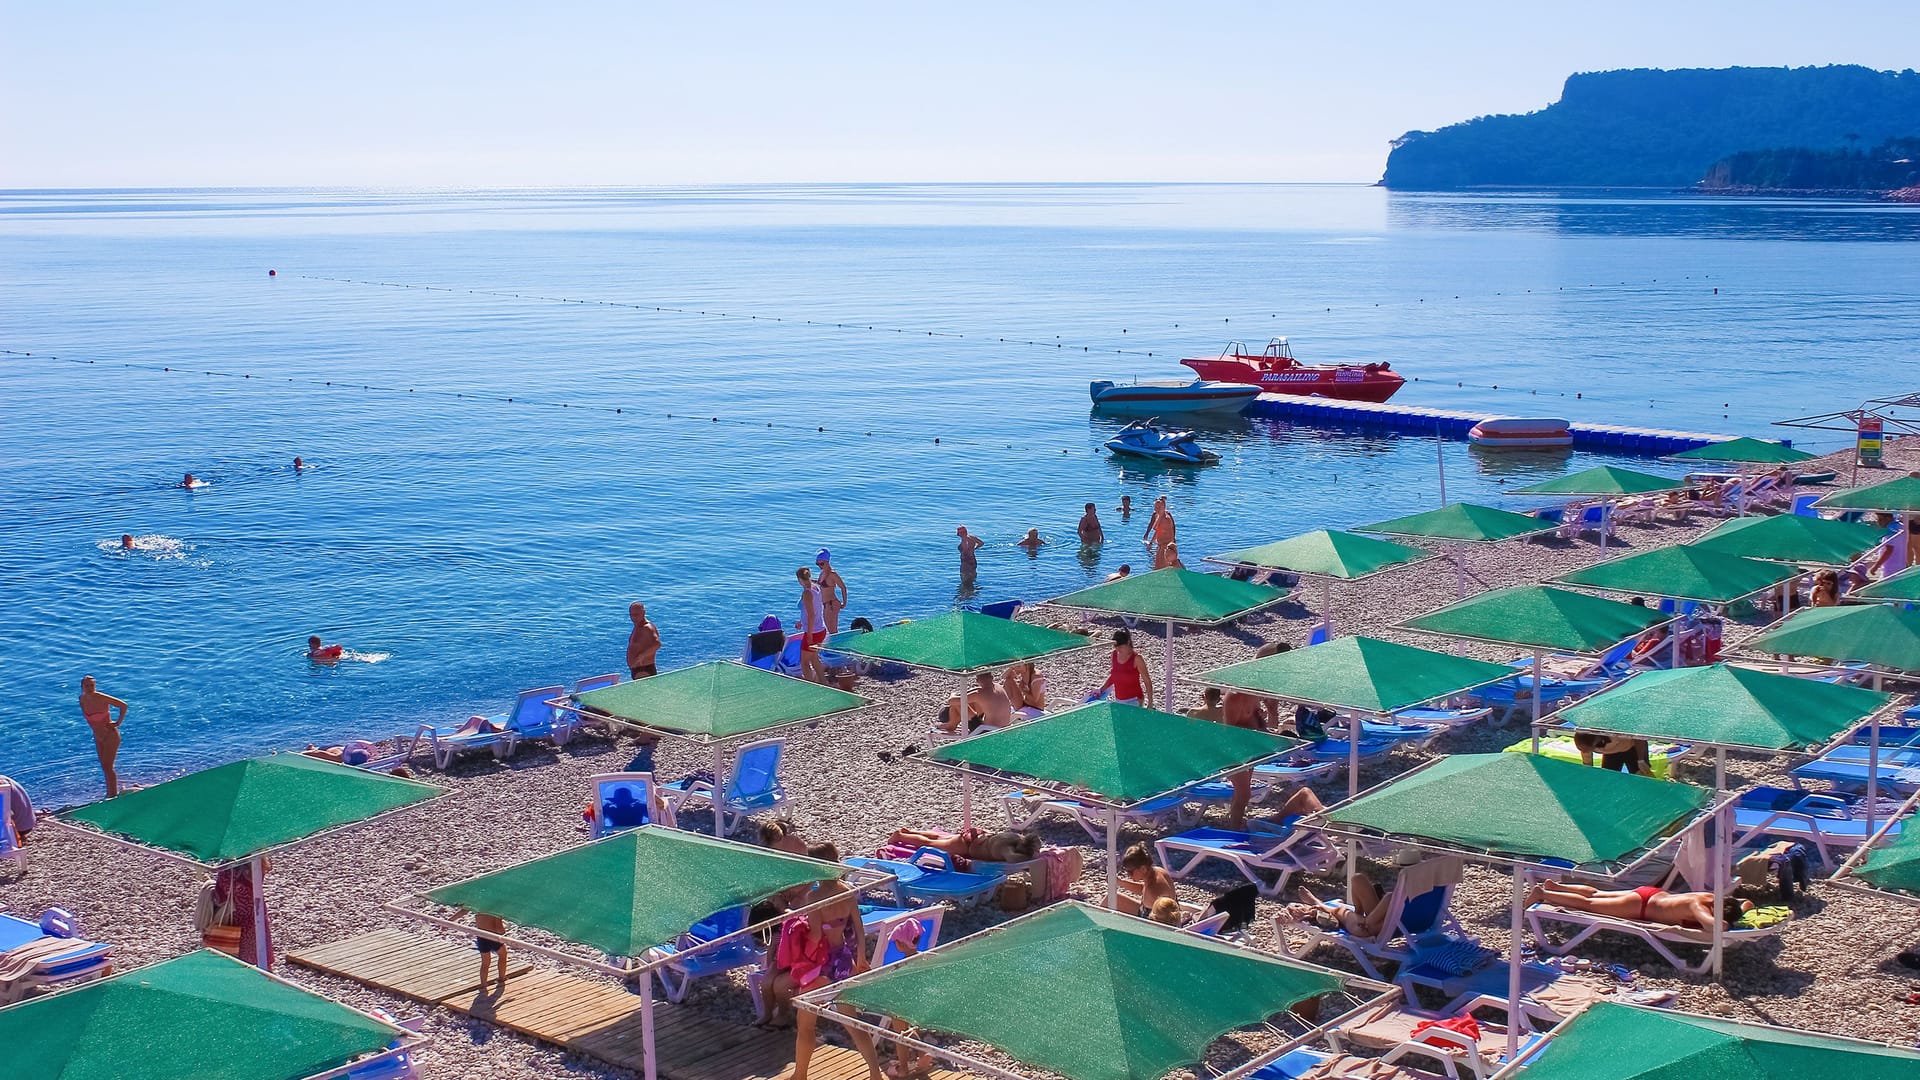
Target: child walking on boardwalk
(491, 948)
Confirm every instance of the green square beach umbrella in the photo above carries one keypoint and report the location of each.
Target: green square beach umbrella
(1542, 619)
(1628, 1042)
(1881, 635)
(627, 893)
(1175, 595)
(194, 1017)
(239, 812)
(1085, 994)
(1603, 480)
(1683, 572)
(1329, 556)
(1891, 866)
(1745, 451)
(1113, 756)
(961, 642)
(231, 813)
(1724, 706)
(1462, 523)
(1357, 675)
(1793, 538)
(715, 701)
(1901, 495)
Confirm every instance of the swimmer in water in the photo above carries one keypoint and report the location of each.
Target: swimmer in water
(126, 541)
(298, 464)
(1032, 542)
(189, 482)
(324, 654)
(1126, 508)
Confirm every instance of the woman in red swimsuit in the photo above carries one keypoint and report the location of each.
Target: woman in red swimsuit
(1648, 903)
(1127, 673)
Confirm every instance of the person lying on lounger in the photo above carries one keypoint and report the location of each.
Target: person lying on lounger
(1648, 904)
(978, 845)
(1364, 918)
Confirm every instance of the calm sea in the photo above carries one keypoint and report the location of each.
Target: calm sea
(471, 546)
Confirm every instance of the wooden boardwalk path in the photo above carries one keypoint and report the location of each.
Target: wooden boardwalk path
(596, 1019)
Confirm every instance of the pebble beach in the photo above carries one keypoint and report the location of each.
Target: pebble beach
(853, 780)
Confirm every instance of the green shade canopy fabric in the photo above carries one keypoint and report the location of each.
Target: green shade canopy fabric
(1462, 521)
(1625, 1042)
(1683, 572)
(1793, 538)
(1089, 994)
(1603, 480)
(635, 889)
(237, 810)
(1326, 553)
(1895, 866)
(1727, 706)
(960, 641)
(197, 1016)
(719, 699)
(1903, 587)
(1176, 593)
(1879, 634)
(1526, 806)
(1900, 495)
(1745, 451)
(1121, 753)
(1542, 618)
(1360, 673)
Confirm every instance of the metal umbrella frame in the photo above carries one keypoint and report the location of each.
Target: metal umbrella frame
(715, 745)
(1522, 868)
(858, 880)
(824, 1003)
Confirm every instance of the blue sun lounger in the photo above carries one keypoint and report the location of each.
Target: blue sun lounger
(532, 717)
(1833, 825)
(928, 876)
(680, 971)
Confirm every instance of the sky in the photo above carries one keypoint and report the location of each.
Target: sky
(420, 93)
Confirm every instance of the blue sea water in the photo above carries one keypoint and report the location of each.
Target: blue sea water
(471, 545)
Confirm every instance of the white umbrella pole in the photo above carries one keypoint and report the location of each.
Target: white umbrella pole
(1673, 638)
(1873, 769)
(1536, 700)
(1166, 689)
(1723, 842)
(719, 792)
(966, 798)
(1353, 755)
(1326, 606)
(1113, 857)
(646, 1026)
(1513, 963)
(1719, 769)
(262, 956)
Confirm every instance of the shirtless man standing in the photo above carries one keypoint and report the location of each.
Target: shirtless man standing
(98, 708)
(1242, 711)
(1160, 527)
(643, 644)
(833, 590)
(1091, 534)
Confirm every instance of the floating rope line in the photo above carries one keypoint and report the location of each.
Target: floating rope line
(858, 433)
(982, 338)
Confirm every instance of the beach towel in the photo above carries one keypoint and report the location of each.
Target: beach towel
(1424, 877)
(18, 963)
(1762, 917)
(1459, 1025)
(800, 952)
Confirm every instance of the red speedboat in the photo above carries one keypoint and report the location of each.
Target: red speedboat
(1274, 370)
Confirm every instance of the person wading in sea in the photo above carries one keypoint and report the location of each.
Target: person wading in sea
(643, 644)
(969, 563)
(1160, 528)
(1091, 534)
(98, 708)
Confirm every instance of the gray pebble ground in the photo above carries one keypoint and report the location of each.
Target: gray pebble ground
(1832, 970)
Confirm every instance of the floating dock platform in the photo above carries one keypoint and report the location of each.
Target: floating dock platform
(1454, 424)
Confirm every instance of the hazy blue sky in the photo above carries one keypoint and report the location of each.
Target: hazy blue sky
(488, 94)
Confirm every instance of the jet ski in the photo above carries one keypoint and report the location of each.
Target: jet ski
(1142, 439)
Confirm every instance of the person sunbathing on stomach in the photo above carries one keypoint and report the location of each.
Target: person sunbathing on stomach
(976, 844)
(1648, 904)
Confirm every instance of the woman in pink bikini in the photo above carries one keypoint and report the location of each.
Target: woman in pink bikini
(98, 710)
(1648, 904)
(1127, 673)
